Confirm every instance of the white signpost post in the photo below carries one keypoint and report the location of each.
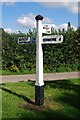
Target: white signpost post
(47, 39)
(39, 85)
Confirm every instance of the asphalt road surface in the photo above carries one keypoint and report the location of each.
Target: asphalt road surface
(32, 77)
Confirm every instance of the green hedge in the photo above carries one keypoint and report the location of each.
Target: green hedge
(57, 58)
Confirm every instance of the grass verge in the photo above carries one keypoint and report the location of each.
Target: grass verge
(33, 71)
(61, 100)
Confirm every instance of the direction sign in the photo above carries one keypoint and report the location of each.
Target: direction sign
(46, 29)
(23, 40)
(52, 39)
(26, 40)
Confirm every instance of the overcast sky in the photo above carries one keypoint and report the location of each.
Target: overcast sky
(18, 15)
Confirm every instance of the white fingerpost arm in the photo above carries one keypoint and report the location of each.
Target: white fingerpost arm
(50, 39)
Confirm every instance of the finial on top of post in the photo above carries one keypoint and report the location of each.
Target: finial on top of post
(39, 17)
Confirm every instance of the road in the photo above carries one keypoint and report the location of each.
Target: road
(47, 77)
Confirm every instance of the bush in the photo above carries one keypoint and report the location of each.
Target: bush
(14, 68)
(57, 58)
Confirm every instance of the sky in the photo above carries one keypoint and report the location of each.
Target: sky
(20, 16)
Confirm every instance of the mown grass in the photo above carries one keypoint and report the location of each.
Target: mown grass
(61, 100)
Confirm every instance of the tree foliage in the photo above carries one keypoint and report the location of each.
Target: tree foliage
(59, 57)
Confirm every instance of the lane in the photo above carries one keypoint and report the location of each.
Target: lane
(32, 77)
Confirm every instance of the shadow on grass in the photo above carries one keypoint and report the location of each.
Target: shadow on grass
(63, 84)
(70, 92)
(69, 98)
(18, 95)
(40, 114)
(45, 115)
(2, 84)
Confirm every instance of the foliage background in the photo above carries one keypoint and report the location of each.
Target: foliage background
(57, 58)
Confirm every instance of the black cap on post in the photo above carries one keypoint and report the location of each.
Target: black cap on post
(39, 17)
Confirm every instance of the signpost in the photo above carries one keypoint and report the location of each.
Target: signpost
(23, 40)
(46, 29)
(26, 40)
(47, 39)
(52, 39)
